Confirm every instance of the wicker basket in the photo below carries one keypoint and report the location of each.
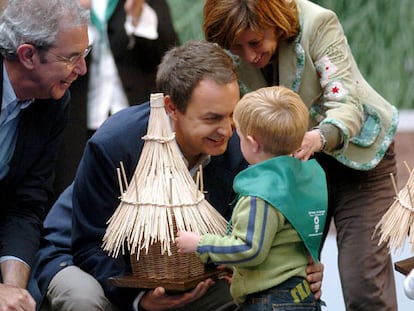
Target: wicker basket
(159, 266)
(161, 199)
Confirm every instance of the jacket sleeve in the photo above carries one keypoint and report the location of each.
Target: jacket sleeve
(341, 104)
(96, 197)
(30, 180)
(55, 252)
(255, 223)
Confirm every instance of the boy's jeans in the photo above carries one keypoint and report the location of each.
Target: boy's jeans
(292, 295)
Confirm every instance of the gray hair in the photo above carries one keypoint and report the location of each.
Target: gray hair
(37, 22)
(183, 67)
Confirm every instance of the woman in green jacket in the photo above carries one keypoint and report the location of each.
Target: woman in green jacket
(302, 46)
(280, 210)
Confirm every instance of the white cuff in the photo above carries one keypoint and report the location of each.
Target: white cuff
(135, 304)
(5, 258)
(147, 24)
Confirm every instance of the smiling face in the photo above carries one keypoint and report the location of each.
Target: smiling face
(207, 124)
(256, 48)
(51, 74)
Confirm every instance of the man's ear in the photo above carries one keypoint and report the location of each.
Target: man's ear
(170, 107)
(26, 54)
(255, 145)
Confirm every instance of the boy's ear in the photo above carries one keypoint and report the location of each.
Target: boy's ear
(170, 107)
(256, 146)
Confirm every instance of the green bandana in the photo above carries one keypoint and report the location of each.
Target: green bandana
(101, 25)
(296, 188)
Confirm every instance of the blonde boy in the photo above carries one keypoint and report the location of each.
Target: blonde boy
(281, 209)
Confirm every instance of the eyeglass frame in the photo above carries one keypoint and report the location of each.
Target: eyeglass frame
(70, 61)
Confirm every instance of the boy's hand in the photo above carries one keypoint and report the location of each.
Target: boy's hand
(186, 241)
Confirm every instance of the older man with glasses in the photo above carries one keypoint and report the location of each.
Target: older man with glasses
(43, 45)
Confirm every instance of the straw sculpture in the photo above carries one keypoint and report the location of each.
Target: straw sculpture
(162, 196)
(397, 223)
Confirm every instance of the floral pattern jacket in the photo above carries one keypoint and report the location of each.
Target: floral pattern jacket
(319, 65)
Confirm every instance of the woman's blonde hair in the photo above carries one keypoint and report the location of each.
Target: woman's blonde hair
(275, 116)
(225, 20)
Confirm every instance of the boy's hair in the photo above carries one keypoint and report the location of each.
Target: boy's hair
(183, 67)
(275, 116)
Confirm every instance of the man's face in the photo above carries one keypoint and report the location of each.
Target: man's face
(54, 75)
(207, 125)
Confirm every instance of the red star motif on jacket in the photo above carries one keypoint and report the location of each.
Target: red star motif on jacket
(335, 90)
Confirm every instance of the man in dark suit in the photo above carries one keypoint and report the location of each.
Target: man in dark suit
(42, 46)
(135, 57)
(201, 90)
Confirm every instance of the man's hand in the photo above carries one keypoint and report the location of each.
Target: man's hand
(15, 298)
(15, 273)
(225, 274)
(314, 276)
(133, 8)
(86, 3)
(13, 295)
(158, 300)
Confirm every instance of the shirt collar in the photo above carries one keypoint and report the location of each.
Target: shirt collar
(203, 160)
(8, 93)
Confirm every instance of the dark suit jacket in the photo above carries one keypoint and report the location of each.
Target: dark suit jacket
(137, 69)
(55, 252)
(26, 190)
(96, 196)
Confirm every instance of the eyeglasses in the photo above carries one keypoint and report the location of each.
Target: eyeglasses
(71, 61)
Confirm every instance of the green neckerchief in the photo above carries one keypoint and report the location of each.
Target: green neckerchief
(101, 25)
(296, 188)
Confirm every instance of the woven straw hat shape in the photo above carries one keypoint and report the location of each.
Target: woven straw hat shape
(161, 198)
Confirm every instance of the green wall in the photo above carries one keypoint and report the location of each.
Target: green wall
(380, 33)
